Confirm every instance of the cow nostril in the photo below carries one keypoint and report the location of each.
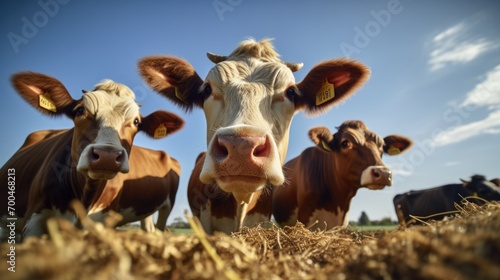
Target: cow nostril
(376, 174)
(95, 154)
(120, 157)
(221, 148)
(261, 150)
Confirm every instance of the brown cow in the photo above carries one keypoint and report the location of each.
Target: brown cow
(135, 194)
(249, 99)
(322, 180)
(74, 164)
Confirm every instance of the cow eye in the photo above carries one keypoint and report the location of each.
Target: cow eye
(79, 111)
(207, 90)
(345, 144)
(136, 122)
(291, 94)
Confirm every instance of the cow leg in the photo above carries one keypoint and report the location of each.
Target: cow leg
(147, 224)
(36, 225)
(400, 215)
(206, 217)
(163, 214)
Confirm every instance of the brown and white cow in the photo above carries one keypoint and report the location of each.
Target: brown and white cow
(151, 185)
(321, 182)
(216, 208)
(75, 164)
(249, 99)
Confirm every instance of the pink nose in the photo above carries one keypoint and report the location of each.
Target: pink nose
(234, 152)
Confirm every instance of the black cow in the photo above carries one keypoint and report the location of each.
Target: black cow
(439, 202)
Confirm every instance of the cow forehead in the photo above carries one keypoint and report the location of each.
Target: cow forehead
(361, 136)
(273, 75)
(111, 99)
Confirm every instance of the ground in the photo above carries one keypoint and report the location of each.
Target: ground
(465, 247)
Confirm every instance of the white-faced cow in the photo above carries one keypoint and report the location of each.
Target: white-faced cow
(436, 203)
(249, 99)
(217, 208)
(150, 185)
(75, 163)
(321, 182)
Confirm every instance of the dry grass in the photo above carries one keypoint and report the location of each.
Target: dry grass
(466, 247)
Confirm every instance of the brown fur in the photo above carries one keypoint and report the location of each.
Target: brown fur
(259, 94)
(327, 178)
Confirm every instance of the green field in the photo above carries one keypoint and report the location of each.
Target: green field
(384, 227)
(181, 230)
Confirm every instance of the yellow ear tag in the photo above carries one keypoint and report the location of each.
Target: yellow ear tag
(325, 93)
(325, 146)
(179, 95)
(160, 132)
(46, 102)
(392, 151)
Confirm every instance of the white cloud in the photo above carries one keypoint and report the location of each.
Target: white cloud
(454, 46)
(485, 94)
(489, 125)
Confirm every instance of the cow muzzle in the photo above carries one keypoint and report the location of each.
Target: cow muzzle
(242, 159)
(376, 177)
(103, 161)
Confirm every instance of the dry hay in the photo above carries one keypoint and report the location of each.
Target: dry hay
(466, 247)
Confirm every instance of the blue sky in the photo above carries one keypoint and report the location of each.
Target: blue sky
(435, 72)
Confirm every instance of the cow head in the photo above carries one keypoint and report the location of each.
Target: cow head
(358, 152)
(482, 188)
(106, 121)
(249, 99)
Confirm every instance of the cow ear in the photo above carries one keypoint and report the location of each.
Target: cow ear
(45, 93)
(174, 79)
(322, 137)
(161, 124)
(396, 144)
(329, 83)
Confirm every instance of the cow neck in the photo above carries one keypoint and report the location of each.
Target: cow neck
(82, 188)
(340, 187)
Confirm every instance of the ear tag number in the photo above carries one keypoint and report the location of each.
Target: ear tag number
(47, 103)
(160, 132)
(325, 93)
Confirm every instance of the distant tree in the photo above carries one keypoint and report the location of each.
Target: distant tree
(179, 223)
(386, 221)
(364, 220)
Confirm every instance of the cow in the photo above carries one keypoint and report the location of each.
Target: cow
(496, 181)
(134, 194)
(216, 209)
(436, 203)
(249, 98)
(73, 164)
(321, 182)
